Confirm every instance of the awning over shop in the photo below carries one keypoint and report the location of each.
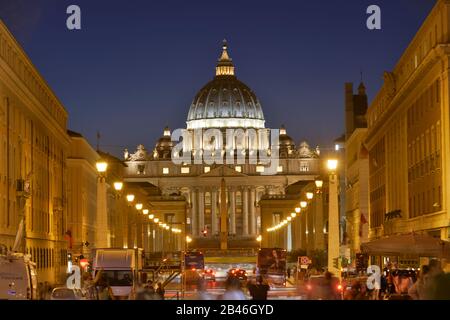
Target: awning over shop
(411, 244)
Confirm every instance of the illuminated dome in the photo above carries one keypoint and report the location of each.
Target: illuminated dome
(225, 102)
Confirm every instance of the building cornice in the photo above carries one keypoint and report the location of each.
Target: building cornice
(24, 76)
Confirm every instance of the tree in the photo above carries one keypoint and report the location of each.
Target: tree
(319, 259)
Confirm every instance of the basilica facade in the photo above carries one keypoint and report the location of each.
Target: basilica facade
(224, 103)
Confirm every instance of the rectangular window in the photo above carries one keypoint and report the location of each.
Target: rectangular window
(304, 167)
(185, 170)
(238, 168)
(165, 170)
(260, 169)
(280, 169)
(207, 169)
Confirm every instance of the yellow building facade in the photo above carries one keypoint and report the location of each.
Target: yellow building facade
(408, 137)
(34, 146)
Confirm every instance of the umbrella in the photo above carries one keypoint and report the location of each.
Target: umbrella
(411, 244)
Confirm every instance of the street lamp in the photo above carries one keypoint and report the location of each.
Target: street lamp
(102, 166)
(303, 204)
(101, 238)
(151, 216)
(293, 214)
(332, 165)
(139, 206)
(156, 220)
(130, 197)
(118, 185)
(298, 209)
(333, 217)
(259, 239)
(145, 211)
(319, 184)
(309, 195)
(188, 240)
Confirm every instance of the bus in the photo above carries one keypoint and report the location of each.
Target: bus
(271, 265)
(194, 265)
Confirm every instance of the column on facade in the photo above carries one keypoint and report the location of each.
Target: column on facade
(201, 210)
(252, 212)
(214, 220)
(194, 212)
(232, 195)
(245, 212)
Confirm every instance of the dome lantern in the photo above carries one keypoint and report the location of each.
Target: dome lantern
(225, 65)
(166, 132)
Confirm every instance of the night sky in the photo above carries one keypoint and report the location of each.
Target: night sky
(136, 65)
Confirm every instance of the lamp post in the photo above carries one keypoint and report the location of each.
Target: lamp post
(259, 239)
(333, 217)
(319, 237)
(130, 199)
(102, 234)
(118, 186)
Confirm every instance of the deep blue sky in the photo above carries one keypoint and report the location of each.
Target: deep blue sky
(136, 65)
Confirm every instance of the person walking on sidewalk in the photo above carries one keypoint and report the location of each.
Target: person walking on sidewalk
(259, 290)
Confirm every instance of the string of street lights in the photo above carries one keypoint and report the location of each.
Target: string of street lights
(102, 167)
(152, 217)
(302, 205)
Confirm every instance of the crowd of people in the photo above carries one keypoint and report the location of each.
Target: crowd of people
(431, 283)
(234, 290)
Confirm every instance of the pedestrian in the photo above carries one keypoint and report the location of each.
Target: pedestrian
(259, 290)
(89, 287)
(353, 291)
(328, 287)
(105, 291)
(434, 275)
(289, 273)
(233, 290)
(417, 291)
(442, 290)
(146, 292)
(160, 291)
(40, 291)
(202, 293)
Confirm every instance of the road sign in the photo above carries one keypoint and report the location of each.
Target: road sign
(304, 260)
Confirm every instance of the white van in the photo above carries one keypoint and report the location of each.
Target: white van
(18, 278)
(121, 268)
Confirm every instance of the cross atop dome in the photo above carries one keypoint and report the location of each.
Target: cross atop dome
(225, 65)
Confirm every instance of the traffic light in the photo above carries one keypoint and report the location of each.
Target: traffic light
(336, 263)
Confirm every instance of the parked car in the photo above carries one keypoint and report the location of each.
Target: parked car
(63, 293)
(238, 273)
(209, 274)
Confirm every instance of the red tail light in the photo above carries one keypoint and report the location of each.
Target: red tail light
(308, 287)
(339, 287)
